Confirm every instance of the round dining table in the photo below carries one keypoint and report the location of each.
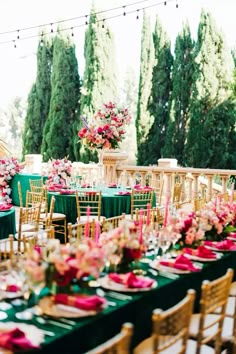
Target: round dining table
(114, 202)
(7, 223)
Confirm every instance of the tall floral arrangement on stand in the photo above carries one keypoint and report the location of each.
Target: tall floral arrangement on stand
(59, 170)
(106, 129)
(9, 167)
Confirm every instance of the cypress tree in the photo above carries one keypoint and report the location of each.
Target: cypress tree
(160, 96)
(182, 77)
(208, 131)
(143, 119)
(38, 101)
(99, 81)
(61, 125)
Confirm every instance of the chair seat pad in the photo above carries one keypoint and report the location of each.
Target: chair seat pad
(227, 331)
(57, 216)
(233, 289)
(145, 347)
(83, 218)
(26, 227)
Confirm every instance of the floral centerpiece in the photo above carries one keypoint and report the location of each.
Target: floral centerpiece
(122, 245)
(8, 168)
(59, 170)
(106, 129)
(56, 266)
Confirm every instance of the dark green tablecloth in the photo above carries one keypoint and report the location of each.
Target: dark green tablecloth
(91, 331)
(7, 223)
(23, 178)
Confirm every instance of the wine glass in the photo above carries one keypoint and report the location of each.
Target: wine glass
(164, 242)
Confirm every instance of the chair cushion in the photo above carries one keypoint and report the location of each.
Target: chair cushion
(233, 289)
(26, 227)
(145, 347)
(57, 216)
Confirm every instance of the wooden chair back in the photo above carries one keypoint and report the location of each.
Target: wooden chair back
(78, 230)
(140, 199)
(176, 194)
(170, 328)
(119, 344)
(36, 185)
(91, 199)
(112, 223)
(29, 217)
(6, 248)
(33, 199)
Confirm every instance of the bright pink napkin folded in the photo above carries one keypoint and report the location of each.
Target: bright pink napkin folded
(112, 185)
(201, 252)
(124, 193)
(232, 234)
(130, 280)
(15, 340)
(54, 189)
(182, 263)
(85, 185)
(67, 191)
(226, 245)
(89, 303)
(4, 207)
(11, 288)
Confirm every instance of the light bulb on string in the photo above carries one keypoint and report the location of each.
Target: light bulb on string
(124, 13)
(165, 3)
(14, 42)
(72, 32)
(52, 28)
(103, 23)
(86, 21)
(137, 17)
(41, 41)
(177, 5)
(18, 34)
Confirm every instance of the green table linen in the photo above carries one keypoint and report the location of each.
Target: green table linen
(7, 223)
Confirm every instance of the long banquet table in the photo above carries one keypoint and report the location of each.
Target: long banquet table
(91, 331)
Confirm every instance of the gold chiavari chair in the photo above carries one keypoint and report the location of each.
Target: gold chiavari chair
(176, 194)
(28, 221)
(33, 198)
(199, 204)
(140, 199)
(156, 215)
(206, 327)
(20, 194)
(170, 329)
(91, 199)
(6, 248)
(78, 230)
(46, 218)
(36, 185)
(119, 344)
(112, 223)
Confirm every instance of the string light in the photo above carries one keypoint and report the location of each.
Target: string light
(86, 23)
(18, 36)
(165, 3)
(72, 32)
(14, 43)
(177, 5)
(103, 23)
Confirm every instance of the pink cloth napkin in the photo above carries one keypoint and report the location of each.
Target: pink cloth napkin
(201, 252)
(54, 189)
(182, 263)
(13, 288)
(226, 245)
(67, 191)
(89, 303)
(232, 234)
(4, 207)
(130, 280)
(124, 193)
(86, 185)
(15, 340)
(112, 185)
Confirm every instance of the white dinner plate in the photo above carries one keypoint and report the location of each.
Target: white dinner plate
(156, 265)
(201, 259)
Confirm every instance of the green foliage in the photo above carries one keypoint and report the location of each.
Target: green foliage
(38, 101)
(211, 92)
(182, 77)
(160, 95)
(144, 120)
(99, 82)
(61, 125)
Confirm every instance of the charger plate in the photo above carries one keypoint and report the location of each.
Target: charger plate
(49, 308)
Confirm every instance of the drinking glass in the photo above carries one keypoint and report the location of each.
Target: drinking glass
(164, 242)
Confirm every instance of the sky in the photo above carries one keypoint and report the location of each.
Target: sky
(18, 65)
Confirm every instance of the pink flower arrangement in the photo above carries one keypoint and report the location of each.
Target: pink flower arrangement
(59, 170)
(107, 128)
(8, 168)
(62, 264)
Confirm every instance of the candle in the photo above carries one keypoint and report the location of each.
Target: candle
(148, 214)
(141, 226)
(166, 210)
(97, 232)
(232, 193)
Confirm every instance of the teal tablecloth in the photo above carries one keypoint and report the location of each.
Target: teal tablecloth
(7, 223)
(23, 178)
(91, 331)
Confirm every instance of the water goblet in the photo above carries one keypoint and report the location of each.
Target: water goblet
(164, 242)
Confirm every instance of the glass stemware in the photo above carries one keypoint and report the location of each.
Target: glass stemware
(164, 242)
